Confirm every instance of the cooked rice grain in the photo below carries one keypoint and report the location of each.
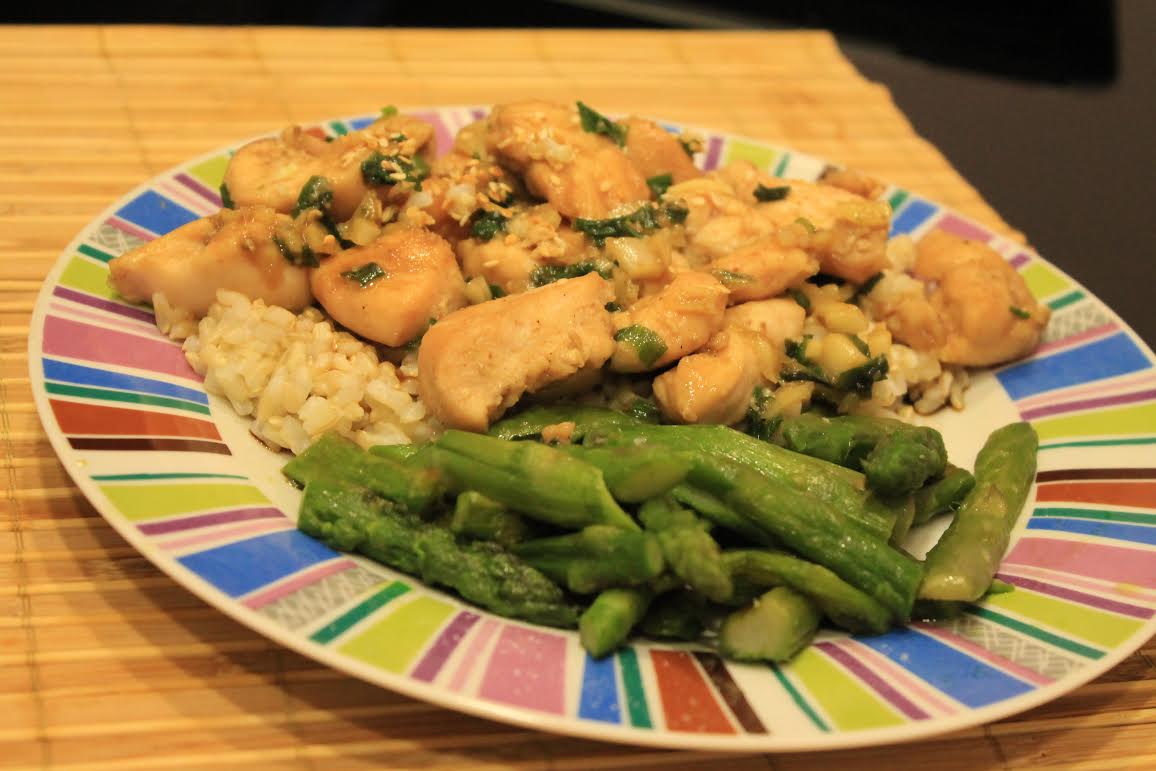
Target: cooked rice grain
(297, 377)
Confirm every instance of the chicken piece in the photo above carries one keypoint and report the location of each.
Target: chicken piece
(684, 315)
(417, 281)
(989, 314)
(717, 221)
(901, 303)
(233, 249)
(271, 172)
(763, 268)
(477, 362)
(850, 232)
(580, 173)
(653, 150)
(713, 385)
(777, 320)
(853, 181)
(456, 188)
(534, 237)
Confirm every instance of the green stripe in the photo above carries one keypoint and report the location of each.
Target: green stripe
(800, 702)
(147, 502)
(341, 624)
(848, 703)
(395, 640)
(142, 477)
(1133, 419)
(127, 397)
(338, 128)
(1100, 514)
(897, 199)
(632, 684)
(1040, 634)
(97, 254)
(1099, 627)
(781, 166)
(1066, 300)
(1099, 443)
(87, 276)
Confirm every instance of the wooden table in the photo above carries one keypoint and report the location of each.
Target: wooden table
(107, 663)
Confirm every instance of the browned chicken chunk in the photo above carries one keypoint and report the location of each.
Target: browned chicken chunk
(653, 150)
(477, 362)
(684, 315)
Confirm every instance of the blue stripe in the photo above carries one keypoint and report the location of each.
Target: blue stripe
(1108, 357)
(63, 372)
(912, 215)
(1120, 532)
(155, 212)
(961, 677)
(599, 699)
(239, 568)
(359, 123)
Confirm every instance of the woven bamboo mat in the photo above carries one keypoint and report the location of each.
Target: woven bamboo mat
(107, 663)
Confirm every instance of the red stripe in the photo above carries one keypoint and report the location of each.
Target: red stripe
(96, 419)
(1121, 493)
(688, 701)
(1092, 560)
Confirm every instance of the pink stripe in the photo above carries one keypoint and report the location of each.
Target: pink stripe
(100, 345)
(125, 226)
(1070, 342)
(1096, 560)
(1120, 384)
(963, 228)
(1087, 404)
(1020, 260)
(226, 535)
(873, 681)
(975, 651)
(1138, 595)
(297, 581)
(109, 320)
(445, 140)
(180, 194)
(473, 653)
(902, 677)
(527, 669)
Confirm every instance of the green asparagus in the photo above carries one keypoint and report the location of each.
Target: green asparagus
(528, 423)
(539, 481)
(964, 561)
(675, 615)
(635, 474)
(719, 513)
(943, 494)
(595, 558)
(687, 547)
(608, 621)
(775, 627)
(476, 516)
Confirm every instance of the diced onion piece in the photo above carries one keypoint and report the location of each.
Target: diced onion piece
(839, 354)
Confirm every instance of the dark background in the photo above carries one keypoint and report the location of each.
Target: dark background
(1047, 108)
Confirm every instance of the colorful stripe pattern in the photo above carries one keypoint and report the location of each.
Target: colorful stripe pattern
(1083, 565)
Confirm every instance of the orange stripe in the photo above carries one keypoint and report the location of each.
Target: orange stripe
(96, 419)
(1142, 494)
(688, 702)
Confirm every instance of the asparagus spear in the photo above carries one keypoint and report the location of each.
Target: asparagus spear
(596, 558)
(775, 627)
(676, 615)
(529, 423)
(902, 461)
(539, 481)
(634, 474)
(476, 516)
(352, 518)
(608, 621)
(334, 457)
(961, 566)
(719, 513)
(396, 452)
(846, 606)
(943, 494)
(689, 551)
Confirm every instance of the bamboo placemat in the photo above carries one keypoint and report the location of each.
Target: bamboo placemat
(107, 663)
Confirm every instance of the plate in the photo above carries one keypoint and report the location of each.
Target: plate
(180, 477)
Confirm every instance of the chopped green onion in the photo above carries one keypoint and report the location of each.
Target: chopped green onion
(316, 193)
(806, 223)
(1020, 313)
(548, 274)
(388, 111)
(660, 183)
(645, 341)
(613, 307)
(687, 147)
(496, 291)
(305, 258)
(227, 201)
(766, 194)
(860, 344)
(488, 224)
(860, 379)
(595, 122)
(730, 278)
(645, 219)
(867, 286)
(365, 275)
(412, 170)
(800, 297)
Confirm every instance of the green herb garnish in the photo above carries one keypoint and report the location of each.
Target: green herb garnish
(646, 343)
(496, 291)
(612, 307)
(759, 424)
(800, 297)
(316, 193)
(548, 274)
(365, 275)
(860, 379)
(388, 170)
(488, 224)
(595, 122)
(388, 111)
(306, 258)
(687, 147)
(646, 219)
(859, 343)
(227, 201)
(806, 223)
(730, 278)
(868, 285)
(1020, 313)
(660, 183)
(765, 194)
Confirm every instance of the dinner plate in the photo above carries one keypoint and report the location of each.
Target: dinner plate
(177, 473)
